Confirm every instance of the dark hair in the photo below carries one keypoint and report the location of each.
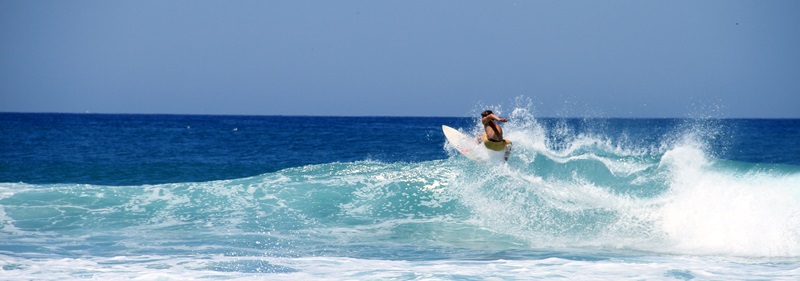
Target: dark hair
(486, 113)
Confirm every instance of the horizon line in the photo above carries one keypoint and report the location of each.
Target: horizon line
(378, 116)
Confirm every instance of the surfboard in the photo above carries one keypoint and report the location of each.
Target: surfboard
(461, 142)
(470, 146)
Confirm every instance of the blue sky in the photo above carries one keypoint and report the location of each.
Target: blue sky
(402, 58)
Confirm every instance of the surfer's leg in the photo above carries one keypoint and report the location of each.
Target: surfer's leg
(508, 149)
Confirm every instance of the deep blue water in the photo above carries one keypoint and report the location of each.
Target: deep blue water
(171, 197)
(137, 149)
(150, 149)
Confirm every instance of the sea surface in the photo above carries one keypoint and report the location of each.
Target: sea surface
(188, 197)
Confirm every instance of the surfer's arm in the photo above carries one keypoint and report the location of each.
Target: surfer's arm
(494, 117)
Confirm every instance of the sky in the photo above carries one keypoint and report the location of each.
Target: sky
(630, 59)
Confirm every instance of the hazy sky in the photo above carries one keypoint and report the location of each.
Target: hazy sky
(409, 58)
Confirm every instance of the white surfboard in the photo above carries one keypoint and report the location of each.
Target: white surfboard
(470, 147)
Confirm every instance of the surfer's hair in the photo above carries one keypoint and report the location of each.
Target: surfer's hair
(486, 113)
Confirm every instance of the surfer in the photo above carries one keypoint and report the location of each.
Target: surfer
(493, 137)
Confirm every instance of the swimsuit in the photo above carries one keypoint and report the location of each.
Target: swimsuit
(496, 145)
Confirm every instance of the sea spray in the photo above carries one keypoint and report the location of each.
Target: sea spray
(716, 210)
(587, 190)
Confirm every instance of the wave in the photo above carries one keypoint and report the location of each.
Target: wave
(558, 190)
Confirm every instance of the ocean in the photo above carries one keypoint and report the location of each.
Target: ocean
(191, 197)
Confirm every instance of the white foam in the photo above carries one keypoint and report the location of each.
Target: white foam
(712, 210)
(696, 206)
(344, 268)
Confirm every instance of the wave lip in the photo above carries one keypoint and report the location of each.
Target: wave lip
(680, 201)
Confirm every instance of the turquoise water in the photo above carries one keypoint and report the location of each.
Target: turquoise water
(231, 198)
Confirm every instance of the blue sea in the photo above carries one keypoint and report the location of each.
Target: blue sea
(189, 197)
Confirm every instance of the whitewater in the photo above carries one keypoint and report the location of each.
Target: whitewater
(570, 204)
